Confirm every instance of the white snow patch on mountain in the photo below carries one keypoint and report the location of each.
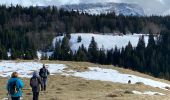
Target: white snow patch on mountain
(147, 93)
(107, 41)
(25, 69)
(126, 9)
(101, 74)
(96, 11)
(47, 54)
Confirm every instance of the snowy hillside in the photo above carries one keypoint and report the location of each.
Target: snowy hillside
(26, 68)
(105, 8)
(93, 73)
(107, 41)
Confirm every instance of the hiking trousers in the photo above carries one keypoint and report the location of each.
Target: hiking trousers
(44, 83)
(15, 98)
(35, 95)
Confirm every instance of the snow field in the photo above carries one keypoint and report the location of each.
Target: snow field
(25, 69)
(107, 41)
(101, 74)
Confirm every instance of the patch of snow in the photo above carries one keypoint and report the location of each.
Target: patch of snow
(108, 41)
(147, 93)
(40, 54)
(97, 10)
(136, 92)
(9, 53)
(25, 69)
(101, 74)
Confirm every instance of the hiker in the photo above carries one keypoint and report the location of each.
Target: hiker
(14, 86)
(35, 83)
(44, 76)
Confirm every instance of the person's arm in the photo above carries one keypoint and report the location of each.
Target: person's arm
(20, 83)
(7, 86)
(40, 72)
(40, 82)
(30, 82)
(48, 73)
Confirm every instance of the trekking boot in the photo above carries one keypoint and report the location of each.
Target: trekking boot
(42, 88)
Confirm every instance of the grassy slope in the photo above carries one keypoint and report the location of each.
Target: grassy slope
(72, 88)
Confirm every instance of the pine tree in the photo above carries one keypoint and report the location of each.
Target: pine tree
(81, 55)
(57, 52)
(128, 56)
(93, 51)
(13, 54)
(79, 39)
(140, 53)
(150, 49)
(109, 59)
(65, 48)
(116, 56)
(102, 56)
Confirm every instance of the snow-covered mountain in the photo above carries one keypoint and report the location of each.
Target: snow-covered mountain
(91, 8)
(104, 8)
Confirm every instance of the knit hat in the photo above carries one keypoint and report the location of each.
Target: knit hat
(35, 74)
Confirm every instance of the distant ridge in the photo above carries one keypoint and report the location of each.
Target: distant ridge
(105, 8)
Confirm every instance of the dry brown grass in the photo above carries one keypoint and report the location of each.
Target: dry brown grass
(73, 88)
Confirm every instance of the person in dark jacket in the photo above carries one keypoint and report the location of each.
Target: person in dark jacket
(18, 86)
(44, 76)
(35, 83)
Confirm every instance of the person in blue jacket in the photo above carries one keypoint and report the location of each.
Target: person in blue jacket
(14, 86)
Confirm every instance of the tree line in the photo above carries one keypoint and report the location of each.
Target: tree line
(27, 29)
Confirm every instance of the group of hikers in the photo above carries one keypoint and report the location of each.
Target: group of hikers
(38, 83)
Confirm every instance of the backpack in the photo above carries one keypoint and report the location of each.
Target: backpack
(44, 73)
(34, 82)
(13, 88)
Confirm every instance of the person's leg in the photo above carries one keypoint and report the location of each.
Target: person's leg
(37, 95)
(34, 95)
(15, 98)
(45, 83)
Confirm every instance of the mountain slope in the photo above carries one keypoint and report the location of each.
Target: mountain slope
(67, 84)
(104, 8)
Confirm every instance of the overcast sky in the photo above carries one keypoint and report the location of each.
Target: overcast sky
(149, 6)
